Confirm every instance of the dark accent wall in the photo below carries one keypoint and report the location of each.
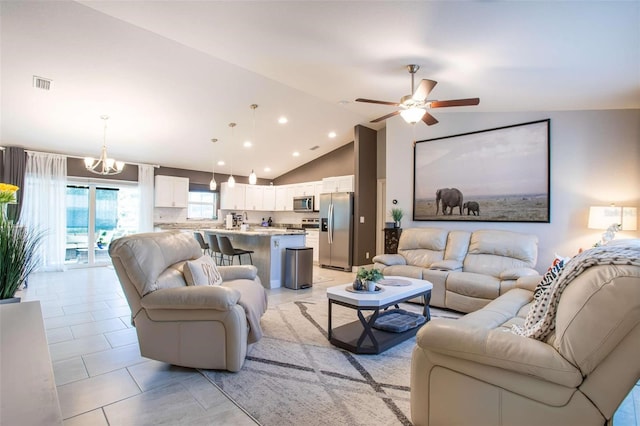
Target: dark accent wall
(198, 178)
(365, 200)
(338, 162)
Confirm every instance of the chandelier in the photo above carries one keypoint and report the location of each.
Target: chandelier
(104, 165)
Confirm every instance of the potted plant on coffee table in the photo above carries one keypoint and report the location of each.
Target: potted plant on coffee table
(369, 278)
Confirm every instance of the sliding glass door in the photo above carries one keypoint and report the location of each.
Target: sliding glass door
(98, 212)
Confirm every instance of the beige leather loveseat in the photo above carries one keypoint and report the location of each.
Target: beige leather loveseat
(476, 371)
(467, 269)
(199, 326)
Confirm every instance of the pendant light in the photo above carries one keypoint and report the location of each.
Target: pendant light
(232, 181)
(213, 185)
(104, 165)
(252, 177)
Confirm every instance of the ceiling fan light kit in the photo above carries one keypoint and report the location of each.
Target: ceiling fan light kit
(414, 106)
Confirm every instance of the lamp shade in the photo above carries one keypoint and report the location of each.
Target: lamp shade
(604, 217)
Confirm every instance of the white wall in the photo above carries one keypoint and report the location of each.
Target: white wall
(595, 160)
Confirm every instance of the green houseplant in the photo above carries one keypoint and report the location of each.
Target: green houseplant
(369, 278)
(397, 214)
(18, 249)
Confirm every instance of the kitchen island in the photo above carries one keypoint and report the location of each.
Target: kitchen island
(269, 246)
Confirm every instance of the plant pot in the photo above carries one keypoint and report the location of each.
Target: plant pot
(10, 300)
(371, 286)
(397, 224)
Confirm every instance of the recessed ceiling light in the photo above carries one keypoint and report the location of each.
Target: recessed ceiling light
(332, 135)
(247, 144)
(267, 169)
(283, 120)
(221, 163)
(296, 154)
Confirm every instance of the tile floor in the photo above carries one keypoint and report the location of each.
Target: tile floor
(103, 380)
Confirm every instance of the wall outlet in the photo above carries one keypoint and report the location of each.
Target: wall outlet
(361, 219)
(366, 255)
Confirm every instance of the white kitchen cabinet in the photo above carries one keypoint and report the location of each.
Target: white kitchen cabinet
(313, 241)
(232, 198)
(317, 190)
(303, 189)
(338, 184)
(254, 197)
(171, 191)
(269, 198)
(281, 198)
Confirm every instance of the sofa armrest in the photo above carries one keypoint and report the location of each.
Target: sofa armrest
(515, 273)
(529, 282)
(498, 348)
(238, 272)
(447, 265)
(192, 297)
(390, 259)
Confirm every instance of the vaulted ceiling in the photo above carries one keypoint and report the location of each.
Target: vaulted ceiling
(173, 74)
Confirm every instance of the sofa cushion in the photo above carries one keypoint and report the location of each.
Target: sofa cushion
(474, 285)
(422, 246)
(202, 271)
(404, 271)
(491, 252)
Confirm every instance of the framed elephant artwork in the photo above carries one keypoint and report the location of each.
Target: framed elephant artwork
(495, 175)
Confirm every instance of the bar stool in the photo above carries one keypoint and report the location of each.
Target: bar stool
(215, 248)
(204, 246)
(227, 250)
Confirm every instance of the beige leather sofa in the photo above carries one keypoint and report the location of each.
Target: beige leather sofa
(191, 326)
(467, 269)
(474, 371)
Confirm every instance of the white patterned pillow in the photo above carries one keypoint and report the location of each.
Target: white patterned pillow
(548, 278)
(202, 271)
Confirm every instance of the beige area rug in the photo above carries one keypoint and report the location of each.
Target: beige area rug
(294, 376)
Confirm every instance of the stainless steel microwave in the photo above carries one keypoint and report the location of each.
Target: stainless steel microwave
(303, 204)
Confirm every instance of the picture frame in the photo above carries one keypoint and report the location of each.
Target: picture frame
(502, 174)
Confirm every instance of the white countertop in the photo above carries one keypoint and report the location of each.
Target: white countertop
(257, 231)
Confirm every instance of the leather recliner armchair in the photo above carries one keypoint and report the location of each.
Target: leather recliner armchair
(475, 371)
(190, 326)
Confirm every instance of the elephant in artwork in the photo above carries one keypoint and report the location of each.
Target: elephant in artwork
(471, 207)
(450, 197)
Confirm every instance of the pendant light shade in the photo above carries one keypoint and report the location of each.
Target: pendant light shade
(232, 181)
(213, 185)
(253, 178)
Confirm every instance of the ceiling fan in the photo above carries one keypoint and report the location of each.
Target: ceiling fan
(414, 107)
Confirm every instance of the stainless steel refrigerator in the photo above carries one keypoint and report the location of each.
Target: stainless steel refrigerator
(336, 230)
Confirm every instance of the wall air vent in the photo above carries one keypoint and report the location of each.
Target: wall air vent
(314, 148)
(42, 83)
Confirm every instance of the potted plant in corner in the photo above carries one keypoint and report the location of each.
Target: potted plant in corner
(18, 249)
(397, 214)
(368, 278)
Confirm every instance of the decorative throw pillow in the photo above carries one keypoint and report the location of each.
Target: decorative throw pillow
(202, 271)
(551, 274)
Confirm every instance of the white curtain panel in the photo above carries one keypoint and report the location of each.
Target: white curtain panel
(145, 185)
(44, 206)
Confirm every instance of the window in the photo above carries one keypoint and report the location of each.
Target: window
(202, 205)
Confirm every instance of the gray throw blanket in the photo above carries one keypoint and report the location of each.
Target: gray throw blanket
(254, 304)
(541, 318)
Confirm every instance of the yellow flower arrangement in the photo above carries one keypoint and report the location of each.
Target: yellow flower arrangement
(8, 193)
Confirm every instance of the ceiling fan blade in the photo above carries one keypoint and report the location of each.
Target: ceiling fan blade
(455, 103)
(429, 119)
(372, 101)
(424, 88)
(384, 117)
